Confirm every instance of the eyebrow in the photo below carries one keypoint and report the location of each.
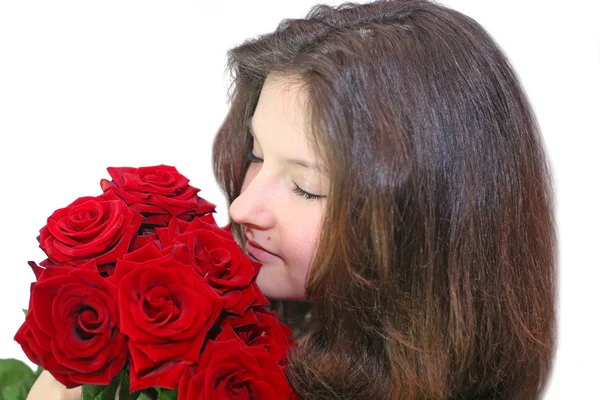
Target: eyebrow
(293, 161)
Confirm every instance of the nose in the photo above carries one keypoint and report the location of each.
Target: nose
(253, 206)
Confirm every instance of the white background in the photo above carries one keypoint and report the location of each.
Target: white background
(87, 85)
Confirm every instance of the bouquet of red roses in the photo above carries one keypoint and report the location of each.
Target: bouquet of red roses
(143, 296)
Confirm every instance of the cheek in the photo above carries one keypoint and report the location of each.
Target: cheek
(301, 243)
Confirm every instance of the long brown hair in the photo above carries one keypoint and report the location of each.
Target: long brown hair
(435, 272)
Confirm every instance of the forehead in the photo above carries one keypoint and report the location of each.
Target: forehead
(282, 101)
(282, 114)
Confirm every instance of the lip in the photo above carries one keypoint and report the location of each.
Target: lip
(258, 252)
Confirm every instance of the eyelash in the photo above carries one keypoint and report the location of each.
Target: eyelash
(305, 195)
(297, 190)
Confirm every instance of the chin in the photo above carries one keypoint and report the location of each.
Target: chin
(273, 281)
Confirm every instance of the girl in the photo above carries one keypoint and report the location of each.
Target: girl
(384, 165)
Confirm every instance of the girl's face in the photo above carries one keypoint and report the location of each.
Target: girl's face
(283, 195)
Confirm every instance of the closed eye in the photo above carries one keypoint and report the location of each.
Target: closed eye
(304, 194)
(297, 189)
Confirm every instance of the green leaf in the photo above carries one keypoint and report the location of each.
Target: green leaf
(167, 394)
(124, 389)
(25, 311)
(91, 392)
(12, 370)
(16, 379)
(111, 391)
(15, 392)
(142, 396)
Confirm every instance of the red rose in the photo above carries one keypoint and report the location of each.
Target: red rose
(239, 301)
(228, 369)
(142, 240)
(215, 255)
(159, 193)
(71, 327)
(262, 328)
(166, 312)
(91, 228)
(166, 235)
